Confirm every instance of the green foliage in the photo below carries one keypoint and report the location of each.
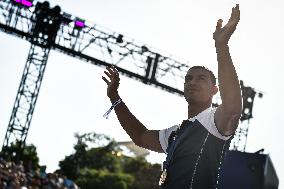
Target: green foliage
(102, 166)
(91, 178)
(103, 158)
(94, 158)
(28, 155)
(69, 167)
(133, 165)
(146, 175)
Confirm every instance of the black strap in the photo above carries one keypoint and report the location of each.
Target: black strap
(173, 142)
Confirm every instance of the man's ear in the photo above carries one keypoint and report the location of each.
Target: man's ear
(215, 89)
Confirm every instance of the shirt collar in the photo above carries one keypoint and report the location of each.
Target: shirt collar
(200, 115)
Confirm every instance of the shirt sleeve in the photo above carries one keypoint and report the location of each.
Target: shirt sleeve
(164, 136)
(206, 118)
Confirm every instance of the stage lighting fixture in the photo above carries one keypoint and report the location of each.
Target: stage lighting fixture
(66, 18)
(144, 49)
(119, 38)
(26, 3)
(79, 23)
(248, 95)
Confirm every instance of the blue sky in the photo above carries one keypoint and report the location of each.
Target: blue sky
(73, 96)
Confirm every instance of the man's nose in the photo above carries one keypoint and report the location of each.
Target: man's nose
(193, 81)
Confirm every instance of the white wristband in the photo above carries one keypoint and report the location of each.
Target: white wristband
(112, 107)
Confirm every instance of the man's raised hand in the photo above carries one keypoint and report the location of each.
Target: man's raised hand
(112, 81)
(223, 34)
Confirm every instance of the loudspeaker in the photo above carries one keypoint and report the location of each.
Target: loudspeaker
(241, 170)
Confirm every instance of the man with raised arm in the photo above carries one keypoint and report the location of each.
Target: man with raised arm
(195, 149)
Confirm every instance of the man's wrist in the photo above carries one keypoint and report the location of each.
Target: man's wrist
(114, 104)
(221, 47)
(114, 97)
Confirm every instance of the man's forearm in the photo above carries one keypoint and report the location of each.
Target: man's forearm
(228, 80)
(128, 121)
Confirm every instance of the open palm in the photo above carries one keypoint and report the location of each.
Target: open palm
(112, 81)
(223, 34)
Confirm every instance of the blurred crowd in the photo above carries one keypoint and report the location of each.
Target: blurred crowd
(14, 176)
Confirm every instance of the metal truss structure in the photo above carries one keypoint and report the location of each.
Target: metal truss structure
(49, 28)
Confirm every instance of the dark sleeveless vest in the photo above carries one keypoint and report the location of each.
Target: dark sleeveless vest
(197, 158)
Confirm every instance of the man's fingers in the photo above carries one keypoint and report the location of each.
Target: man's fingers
(112, 74)
(236, 12)
(237, 6)
(235, 17)
(115, 71)
(107, 82)
(110, 70)
(219, 24)
(108, 74)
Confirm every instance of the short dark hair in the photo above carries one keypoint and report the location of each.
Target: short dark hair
(212, 76)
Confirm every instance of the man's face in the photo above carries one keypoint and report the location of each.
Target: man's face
(198, 86)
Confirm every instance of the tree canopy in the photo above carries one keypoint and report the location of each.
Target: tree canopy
(103, 166)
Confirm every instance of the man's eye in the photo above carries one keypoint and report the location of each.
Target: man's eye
(188, 78)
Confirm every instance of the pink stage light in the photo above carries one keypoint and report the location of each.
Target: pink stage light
(18, 1)
(27, 3)
(79, 23)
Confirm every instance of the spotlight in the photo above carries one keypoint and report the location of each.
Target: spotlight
(25, 3)
(248, 95)
(79, 23)
(119, 38)
(66, 18)
(144, 49)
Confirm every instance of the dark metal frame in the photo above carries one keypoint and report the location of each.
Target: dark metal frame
(93, 44)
